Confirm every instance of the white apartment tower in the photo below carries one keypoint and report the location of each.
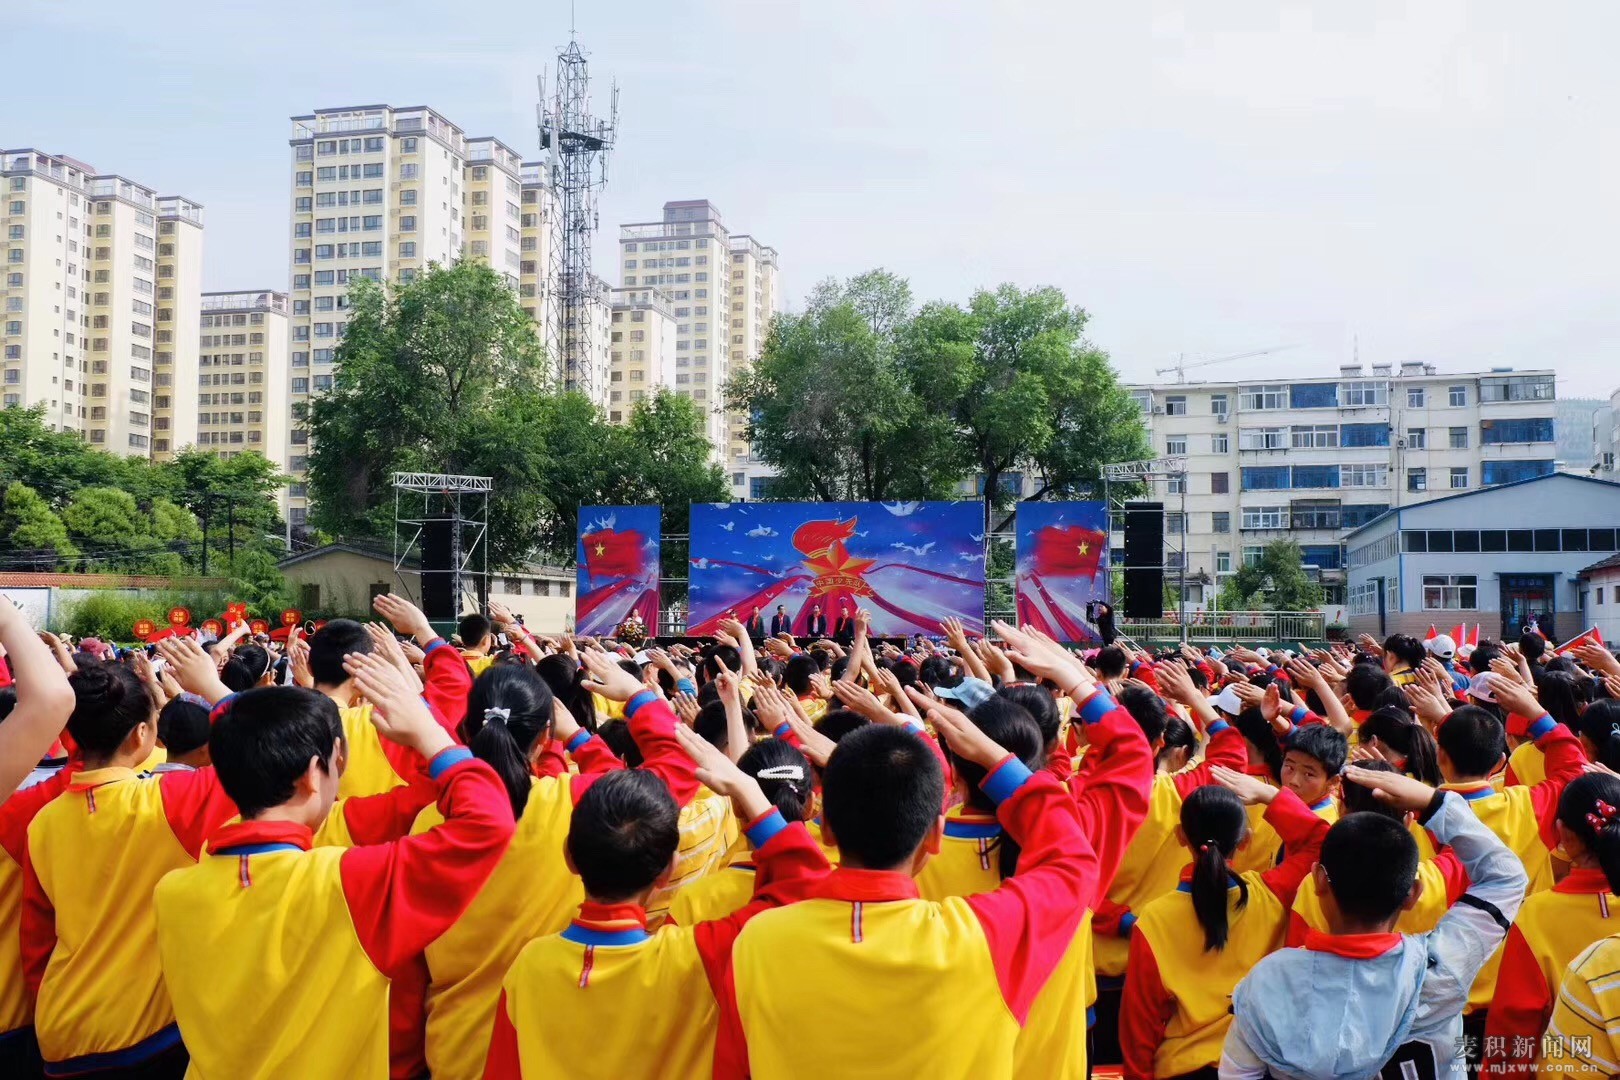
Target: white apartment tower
(1309, 459)
(99, 275)
(642, 343)
(753, 303)
(241, 401)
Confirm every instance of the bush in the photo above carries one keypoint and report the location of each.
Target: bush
(111, 614)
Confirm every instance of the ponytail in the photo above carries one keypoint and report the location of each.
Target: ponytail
(1213, 821)
(1599, 726)
(508, 712)
(1178, 735)
(1395, 728)
(1590, 808)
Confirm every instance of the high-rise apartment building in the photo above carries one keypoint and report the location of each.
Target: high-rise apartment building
(537, 222)
(99, 275)
(1310, 459)
(493, 189)
(241, 399)
(642, 343)
(753, 299)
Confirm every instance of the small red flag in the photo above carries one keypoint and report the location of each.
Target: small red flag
(1069, 551)
(609, 553)
(1593, 635)
(1432, 634)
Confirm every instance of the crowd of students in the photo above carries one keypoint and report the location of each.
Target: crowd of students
(376, 853)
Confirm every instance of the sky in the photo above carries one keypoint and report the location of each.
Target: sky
(1427, 181)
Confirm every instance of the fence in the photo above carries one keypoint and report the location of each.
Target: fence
(1232, 627)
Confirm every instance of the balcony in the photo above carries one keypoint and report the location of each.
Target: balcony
(176, 207)
(110, 187)
(668, 230)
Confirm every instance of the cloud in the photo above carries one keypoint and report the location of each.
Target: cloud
(763, 530)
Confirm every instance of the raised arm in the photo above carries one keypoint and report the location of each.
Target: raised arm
(44, 699)
(652, 724)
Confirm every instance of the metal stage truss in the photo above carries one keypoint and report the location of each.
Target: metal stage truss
(422, 500)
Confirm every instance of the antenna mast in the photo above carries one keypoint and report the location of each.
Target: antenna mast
(577, 146)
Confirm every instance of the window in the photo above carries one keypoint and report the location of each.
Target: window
(1313, 396)
(300, 386)
(1320, 436)
(1264, 478)
(1414, 397)
(1314, 514)
(1220, 521)
(1175, 522)
(1416, 438)
(1458, 438)
(1175, 445)
(1364, 435)
(1262, 438)
(1220, 444)
(1494, 432)
(407, 197)
(1355, 515)
(1321, 556)
(409, 172)
(1220, 483)
(1506, 472)
(1263, 397)
(1223, 562)
(407, 146)
(1316, 476)
(1361, 476)
(1517, 388)
(1417, 479)
(1176, 406)
(1252, 554)
(407, 250)
(407, 223)
(1457, 396)
(1364, 393)
(1459, 479)
(1217, 407)
(1450, 592)
(1177, 485)
(1265, 517)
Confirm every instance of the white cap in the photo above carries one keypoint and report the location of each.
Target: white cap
(1227, 702)
(1442, 646)
(1464, 651)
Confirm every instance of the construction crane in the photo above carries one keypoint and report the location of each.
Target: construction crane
(1181, 364)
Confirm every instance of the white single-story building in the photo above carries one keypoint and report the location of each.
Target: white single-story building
(1600, 598)
(1495, 557)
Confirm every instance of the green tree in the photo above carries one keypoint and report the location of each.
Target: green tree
(833, 407)
(257, 581)
(1276, 582)
(32, 536)
(238, 495)
(109, 528)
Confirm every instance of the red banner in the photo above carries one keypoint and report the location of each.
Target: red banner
(1069, 551)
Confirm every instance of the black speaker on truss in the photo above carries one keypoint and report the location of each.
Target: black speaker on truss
(438, 577)
(1144, 560)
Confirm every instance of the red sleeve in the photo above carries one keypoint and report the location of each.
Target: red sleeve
(404, 894)
(552, 761)
(595, 756)
(1226, 748)
(1106, 916)
(1455, 873)
(446, 683)
(1144, 1010)
(377, 819)
(1060, 762)
(1297, 929)
(1522, 1005)
(195, 804)
(503, 1062)
(1208, 670)
(1511, 778)
(1144, 671)
(915, 726)
(38, 926)
(1030, 920)
(1114, 803)
(1565, 761)
(17, 812)
(652, 724)
(1302, 833)
(407, 1019)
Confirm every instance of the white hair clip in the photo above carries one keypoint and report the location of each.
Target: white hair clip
(781, 772)
(501, 715)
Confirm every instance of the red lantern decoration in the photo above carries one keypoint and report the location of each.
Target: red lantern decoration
(143, 629)
(236, 612)
(259, 626)
(179, 616)
(214, 627)
(291, 617)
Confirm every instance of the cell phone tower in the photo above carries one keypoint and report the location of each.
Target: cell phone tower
(577, 146)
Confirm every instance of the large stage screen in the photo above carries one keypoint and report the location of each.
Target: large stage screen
(1062, 566)
(912, 564)
(618, 565)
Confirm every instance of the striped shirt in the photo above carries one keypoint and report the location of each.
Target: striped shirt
(1586, 1020)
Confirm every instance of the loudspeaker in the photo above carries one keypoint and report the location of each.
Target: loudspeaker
(438, 583)
(1144, 560)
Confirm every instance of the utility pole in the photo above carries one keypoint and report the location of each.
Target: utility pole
(205, 501)
(230, 529)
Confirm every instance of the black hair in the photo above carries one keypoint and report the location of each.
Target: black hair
(1361, 800)
(717, 654)
(882, 791)
(789, 795)
(1479, 661)
(1599, 727)
(1405, 647)
(1111, 662)
(1147, 709)
(1009, 726)
(708, 693)
(263, 740)
(1178, 735)
(330, 644)
(1395, 728)
(838, 667)
(1371, 861)
(567, 681)
(1364, 682)
(630, 667)
(623, 833)
(1532, 645)
(1559, 695)
(711, 724)
(616, 733)
(247, 665)
(797, 676)
(1213, 821)
(936, 671)
(1391, 697)
(905, 673)
(1040, 704)
(183, 727)
(8, 700)
(472, 629)
(505, 743)
(1473, 739)
(836, 723)
(109, 702)
(1580, 805)
(1196, 674)
(1326, 744)
(1254, 727)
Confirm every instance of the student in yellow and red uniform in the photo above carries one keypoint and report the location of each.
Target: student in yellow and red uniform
(1111, 792)
(1190, 948)
(1472, 748)
(533, 892)
(605, 998)
(864, 948)
(337, 922)
(784, 774)
(1554, 926)
(477, 637)
(89, 938)
(41, 700)
(375, 764)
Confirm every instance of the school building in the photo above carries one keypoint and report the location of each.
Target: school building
(1495, 557)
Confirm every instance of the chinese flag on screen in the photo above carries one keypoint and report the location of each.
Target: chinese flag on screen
(1069, 551)
(612, 554)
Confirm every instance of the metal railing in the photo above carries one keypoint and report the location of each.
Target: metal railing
(1232, 627)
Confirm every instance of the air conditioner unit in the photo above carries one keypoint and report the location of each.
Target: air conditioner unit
(1158, 410)
(1221, 418)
